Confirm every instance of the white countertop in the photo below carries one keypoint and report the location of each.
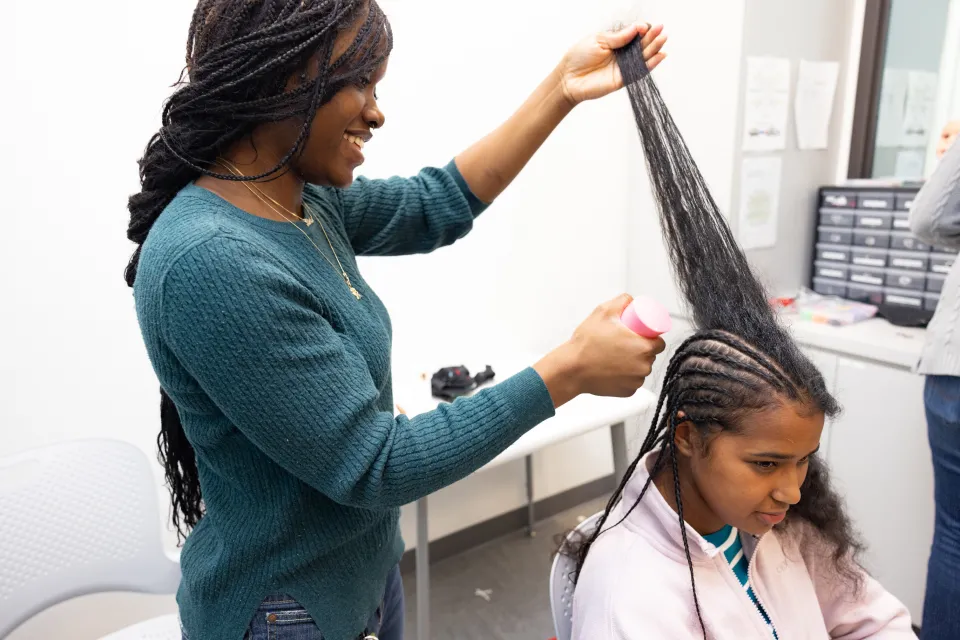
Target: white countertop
(874, 339)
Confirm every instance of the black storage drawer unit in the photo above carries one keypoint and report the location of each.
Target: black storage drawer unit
(831, 270)
(908, 260)
(871, 238)
(834, 253)
(834, 235)
(837, 217)
(904, 241)
(865, 251)
(864, 293)
(827, 287)
(941, 263)
(867, 257)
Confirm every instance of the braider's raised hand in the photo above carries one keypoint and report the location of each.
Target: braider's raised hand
(589, 70)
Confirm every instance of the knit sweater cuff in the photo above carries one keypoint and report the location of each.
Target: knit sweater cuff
(527, 396)
(477, 206)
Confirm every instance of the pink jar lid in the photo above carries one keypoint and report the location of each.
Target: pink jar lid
(647, 317)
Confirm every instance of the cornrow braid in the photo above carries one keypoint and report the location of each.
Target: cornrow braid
(240, 57)
(740, 360)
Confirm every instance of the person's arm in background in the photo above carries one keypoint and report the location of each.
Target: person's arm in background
(935, 215)
(399, 216)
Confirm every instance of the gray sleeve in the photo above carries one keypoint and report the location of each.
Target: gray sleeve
(935, 215)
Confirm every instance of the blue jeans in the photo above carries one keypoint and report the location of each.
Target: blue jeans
(280, 617)
(941, 607)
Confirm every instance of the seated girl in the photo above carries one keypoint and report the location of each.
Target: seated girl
(725, 526)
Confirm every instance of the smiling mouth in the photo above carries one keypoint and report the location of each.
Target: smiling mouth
(356, 140)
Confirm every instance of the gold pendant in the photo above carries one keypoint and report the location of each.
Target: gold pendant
(356, 294)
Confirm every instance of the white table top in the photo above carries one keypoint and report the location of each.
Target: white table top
(411, 390)
(874, 339)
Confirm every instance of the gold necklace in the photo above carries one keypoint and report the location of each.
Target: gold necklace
(286, 214)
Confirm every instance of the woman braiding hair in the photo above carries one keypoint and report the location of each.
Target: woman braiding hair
(286, 462)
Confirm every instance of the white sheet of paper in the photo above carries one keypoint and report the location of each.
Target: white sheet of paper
(920, 107)
(893, 101)
(766, 104)
(813, 106)
(909, 163)
(759, 201)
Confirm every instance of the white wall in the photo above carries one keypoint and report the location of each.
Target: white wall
(81, 99)
(85, 100)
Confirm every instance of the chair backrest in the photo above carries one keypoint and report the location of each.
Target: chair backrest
(77, 518)
(561, 580)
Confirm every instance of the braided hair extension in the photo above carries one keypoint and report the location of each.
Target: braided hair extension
(241, 55)
(740, 361)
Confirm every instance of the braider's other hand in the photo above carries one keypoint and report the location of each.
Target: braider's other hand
(589, 70)
(603, 358)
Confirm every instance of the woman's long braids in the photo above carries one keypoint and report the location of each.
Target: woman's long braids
(741, 360)
(241, 55)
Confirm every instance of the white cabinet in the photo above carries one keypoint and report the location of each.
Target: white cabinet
(827, 364)
(880, 461)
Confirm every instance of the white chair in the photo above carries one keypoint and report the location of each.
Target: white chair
(80, 518)
(561, 584)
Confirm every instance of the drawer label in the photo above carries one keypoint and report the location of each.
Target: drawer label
(909, 302)
(907, 263)
(831, 273)
(835, 200)
(871, 222)
(868, 262)
(835, 255)
(866, 278)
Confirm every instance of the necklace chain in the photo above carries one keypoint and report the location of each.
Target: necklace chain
(291, 217)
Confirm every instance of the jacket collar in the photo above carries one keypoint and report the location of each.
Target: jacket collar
(654, 519)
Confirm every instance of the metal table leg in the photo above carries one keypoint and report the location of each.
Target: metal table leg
(423, 571)
(618, 440)
(531, 516)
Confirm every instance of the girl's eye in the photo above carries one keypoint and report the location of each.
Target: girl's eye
(765, 465)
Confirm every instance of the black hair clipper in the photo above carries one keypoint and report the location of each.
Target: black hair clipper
(450, 383)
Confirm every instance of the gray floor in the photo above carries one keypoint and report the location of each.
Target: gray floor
(514, 569)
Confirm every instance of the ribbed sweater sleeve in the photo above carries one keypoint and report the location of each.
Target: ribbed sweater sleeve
(261, 346)
(399, 216)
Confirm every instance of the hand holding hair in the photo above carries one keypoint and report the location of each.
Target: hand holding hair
(589, 70)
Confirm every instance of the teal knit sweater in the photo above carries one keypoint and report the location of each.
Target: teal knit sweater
(282, 381)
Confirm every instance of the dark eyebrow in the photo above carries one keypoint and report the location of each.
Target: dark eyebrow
(782, 456)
